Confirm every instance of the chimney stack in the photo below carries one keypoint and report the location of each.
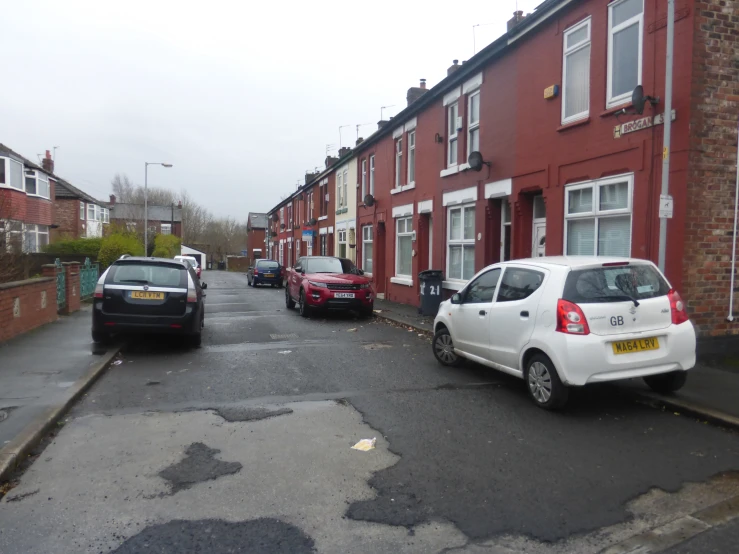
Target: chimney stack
(112, 199)
(360, 140)
(414, 93)
(179, 204)
(330, 160)
(382, 123)
(309, 177)
(47, 163)
(517, 18)
(343, 151)
(454, 67)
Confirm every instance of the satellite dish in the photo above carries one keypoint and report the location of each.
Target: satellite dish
(369, 200)
(312, 221)
(638, 100)
(282, 226)
(476, 162)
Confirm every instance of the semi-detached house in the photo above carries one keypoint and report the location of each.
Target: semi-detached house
(567, 166)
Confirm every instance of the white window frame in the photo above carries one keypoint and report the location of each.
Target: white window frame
(412, 157)
(346, 187)
(625, 98)
(36, 230)
(472, 126)
(341, 239)
(106, 215)
(131, 226)
(459, 242)
(568, 52)
(397, 245)
(596, 213)
(452, 135)
(165, 229)
(372, 175)
(91, 208)
(399, 162)
(339, 190)
(8, 165)
(39, 177)
(367, 238)
(505, 206)
(83, 211)
(364, 178)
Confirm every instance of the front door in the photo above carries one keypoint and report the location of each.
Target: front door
(513, 315)
(540, 239)
(471, 318)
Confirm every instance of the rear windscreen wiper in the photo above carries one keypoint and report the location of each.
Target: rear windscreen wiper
(617, 298)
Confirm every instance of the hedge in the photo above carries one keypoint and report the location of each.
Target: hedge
(166, 246)
(114, 246)
(88, 248)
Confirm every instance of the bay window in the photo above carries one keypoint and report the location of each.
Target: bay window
(403, 246)
(576, 72)
(625, 45)
(598, 217)
(11, 173)
(461, 243)
(367, 248)
(473, 123)
(452, 113)
(399, 163)
(35, 238)
(91, 215)
(37, 183)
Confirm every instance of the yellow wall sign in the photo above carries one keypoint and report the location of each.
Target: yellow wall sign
(551, 92)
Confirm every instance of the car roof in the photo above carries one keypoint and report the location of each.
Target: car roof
(267, 260)
(575, 262)
(146, 259)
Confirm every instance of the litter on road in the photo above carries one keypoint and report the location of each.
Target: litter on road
(118, 362)
(365, 444)
(285, 352)
(354, 330)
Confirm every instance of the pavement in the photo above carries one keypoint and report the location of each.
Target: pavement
(245, 445)
(710, 392)
(41, 373)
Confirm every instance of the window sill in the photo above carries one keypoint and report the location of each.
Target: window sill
(464, 167)
(30, 195)
(323, 218)
(2, 186)
(617, 108)
(454, 284)
(449, 171)
(571, 124)
(405, 281)
(342, 211)
(403, 188)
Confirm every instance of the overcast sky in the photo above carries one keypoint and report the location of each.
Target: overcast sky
(242, 97)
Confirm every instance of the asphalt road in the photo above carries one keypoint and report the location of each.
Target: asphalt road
(244, 445)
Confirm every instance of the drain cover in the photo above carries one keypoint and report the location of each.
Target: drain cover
(284, 337)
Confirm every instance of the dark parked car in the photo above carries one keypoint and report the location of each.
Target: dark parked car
(323, 282)
(152, 295)
(265, 272)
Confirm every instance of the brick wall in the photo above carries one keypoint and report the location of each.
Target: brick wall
(67, 216)
(38, 210)
(25, 305)
(712, 166)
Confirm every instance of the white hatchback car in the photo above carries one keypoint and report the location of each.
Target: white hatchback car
(568, 321)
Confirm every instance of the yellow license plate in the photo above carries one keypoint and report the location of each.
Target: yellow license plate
(637, 345)
(269, 274)
(146, 295)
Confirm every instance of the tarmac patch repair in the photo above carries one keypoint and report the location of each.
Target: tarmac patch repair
(198, 466)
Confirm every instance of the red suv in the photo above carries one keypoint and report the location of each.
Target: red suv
(323, 282)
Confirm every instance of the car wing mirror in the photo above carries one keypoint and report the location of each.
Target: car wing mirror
(456, 298)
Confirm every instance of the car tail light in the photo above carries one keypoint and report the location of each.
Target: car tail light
(677, 307)
(192, 294)
(100, 286)
(570, 319)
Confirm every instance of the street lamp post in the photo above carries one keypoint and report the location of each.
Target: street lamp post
(146, 202)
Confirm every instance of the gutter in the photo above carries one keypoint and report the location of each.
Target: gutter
(733, 242)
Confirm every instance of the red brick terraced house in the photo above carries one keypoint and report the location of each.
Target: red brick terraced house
(564, 163)
(256, 228)
(26, 202)
(77, 214)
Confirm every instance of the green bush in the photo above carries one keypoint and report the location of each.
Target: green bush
(88, 248)
(166, 246)
(114, 246)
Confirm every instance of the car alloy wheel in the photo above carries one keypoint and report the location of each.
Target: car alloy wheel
(303, 307)
(289, 302)
(443, 346)
(540, 382)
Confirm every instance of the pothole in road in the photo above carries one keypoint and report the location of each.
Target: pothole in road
(5, 413)
(198, 466)
(220, 537)
(239, 413)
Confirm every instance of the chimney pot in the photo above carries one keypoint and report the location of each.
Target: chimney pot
(423, 83)
(454, 67)
(517, 18)
(360, 140)
(112, 199)
(47, 163)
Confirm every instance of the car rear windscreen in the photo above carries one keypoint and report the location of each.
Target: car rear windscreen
(141, 273)
(267, 265)
(614, 284)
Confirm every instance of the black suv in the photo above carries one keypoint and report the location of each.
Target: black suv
(152, 295)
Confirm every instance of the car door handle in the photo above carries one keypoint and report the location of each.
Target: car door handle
(483, 312)
(524, 314)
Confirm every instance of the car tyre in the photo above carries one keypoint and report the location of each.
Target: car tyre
(196, 339)
(666, 383)
(443, 347)
(289, 302)
(100, 337)
(543, 383)
(367, 312)
(302, 306)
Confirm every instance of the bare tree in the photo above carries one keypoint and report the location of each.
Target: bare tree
(127, 192)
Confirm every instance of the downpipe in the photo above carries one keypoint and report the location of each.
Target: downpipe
(733, 242)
